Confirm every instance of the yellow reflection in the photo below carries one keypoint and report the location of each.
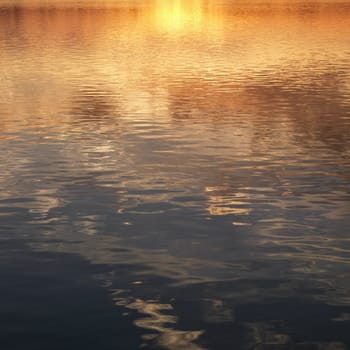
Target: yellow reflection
(175, 15)
(178, 17)
(219, 207)
(121, 55)
(227, 204)
(160, 320)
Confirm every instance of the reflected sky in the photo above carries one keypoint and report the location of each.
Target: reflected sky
(198, 151)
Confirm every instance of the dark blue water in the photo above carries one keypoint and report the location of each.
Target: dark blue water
(174, 175)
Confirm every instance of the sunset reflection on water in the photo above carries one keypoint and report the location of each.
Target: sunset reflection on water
(190, 157)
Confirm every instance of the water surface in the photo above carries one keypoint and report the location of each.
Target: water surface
(175, 174)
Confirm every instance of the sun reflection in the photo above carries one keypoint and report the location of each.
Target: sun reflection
(177, 16)
(174, 15)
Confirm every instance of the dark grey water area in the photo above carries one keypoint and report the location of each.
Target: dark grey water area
(174, 175)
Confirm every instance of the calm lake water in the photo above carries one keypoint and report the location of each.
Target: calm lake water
(174, 174)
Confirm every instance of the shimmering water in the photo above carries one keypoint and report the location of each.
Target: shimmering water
(174, 174)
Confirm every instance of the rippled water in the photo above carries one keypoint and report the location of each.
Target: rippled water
(175, 174)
